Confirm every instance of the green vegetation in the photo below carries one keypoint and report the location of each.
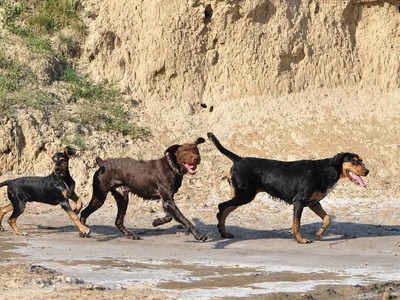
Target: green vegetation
(77, 140)
(36, 22)
(13, 75)
(99, 105)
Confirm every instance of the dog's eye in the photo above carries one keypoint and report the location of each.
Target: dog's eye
(355, 162)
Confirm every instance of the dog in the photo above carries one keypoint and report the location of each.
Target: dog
(53, 189)
(303, 183)
(149, 179)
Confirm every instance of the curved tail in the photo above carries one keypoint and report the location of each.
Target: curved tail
(4, 183)
(232, 156)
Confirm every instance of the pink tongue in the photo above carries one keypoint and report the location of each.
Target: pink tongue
(358, 179)
(189, 168)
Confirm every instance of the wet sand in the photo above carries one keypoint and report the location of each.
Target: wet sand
(354, 260)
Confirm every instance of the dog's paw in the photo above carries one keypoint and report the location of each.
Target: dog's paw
(224, 234)
(84, 234)
(304, 241)
(132, 236)
(199, 236)
(156, 222)
(227, 235)
(1, 228)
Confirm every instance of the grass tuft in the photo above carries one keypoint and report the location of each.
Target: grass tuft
(76, 140)
(99, 105)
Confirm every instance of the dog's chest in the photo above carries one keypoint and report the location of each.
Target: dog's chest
(319, 195)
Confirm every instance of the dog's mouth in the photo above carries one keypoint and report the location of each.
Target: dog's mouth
(191, 169)
(355, 178)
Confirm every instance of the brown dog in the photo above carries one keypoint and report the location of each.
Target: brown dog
(150, 179)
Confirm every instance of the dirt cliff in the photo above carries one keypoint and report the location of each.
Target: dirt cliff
(214, 50)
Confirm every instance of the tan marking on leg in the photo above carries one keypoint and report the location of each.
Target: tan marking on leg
(222, 218)
(82, 228)
(326, 219)
(317, 196)
(65, 193)
(78, 206)
(13, 224)
(3, 211)
(296, 231)
(78, 203)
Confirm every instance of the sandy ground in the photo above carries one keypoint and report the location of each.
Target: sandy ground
(358, 258)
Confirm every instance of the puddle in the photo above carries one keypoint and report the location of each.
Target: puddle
(202, 271)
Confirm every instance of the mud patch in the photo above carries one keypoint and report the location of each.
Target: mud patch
(237, 279)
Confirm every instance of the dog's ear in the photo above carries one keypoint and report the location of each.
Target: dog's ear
(69, 151)
(199, 140)
(338, 158)
(171, 151)
(51, 152)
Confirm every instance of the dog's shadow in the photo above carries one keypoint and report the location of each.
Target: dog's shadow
(336, 232)
(104, 233)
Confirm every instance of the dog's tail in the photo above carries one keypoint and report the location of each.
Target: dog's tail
(232, 156)
(4, 183)
(100, 163)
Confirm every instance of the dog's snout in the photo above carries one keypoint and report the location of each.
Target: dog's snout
(366, 171)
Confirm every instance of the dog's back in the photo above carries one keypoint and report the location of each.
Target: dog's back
(140, 176)
(44, 189)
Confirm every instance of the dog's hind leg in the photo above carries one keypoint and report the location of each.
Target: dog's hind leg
(122, 203)
(95, 203)
(3, 211)
(18, 208)
(326, 219)
(298, 207)
(98, 198)
(225, 208)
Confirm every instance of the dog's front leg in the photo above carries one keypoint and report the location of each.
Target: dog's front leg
(160, 221)
(326, 219)
(171, 209)
(78, 203)
(84, 231)
(298, 207)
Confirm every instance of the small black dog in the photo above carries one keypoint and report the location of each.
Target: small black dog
(301, 183)
(54, 189)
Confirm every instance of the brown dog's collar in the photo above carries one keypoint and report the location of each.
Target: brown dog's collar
(172, 165)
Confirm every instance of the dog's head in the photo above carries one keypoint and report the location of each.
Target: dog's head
(352, 167)
(185, 157)
(61, 159)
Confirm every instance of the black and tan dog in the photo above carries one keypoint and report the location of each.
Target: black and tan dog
(53, 189)
(302, 183)
(149, 179)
